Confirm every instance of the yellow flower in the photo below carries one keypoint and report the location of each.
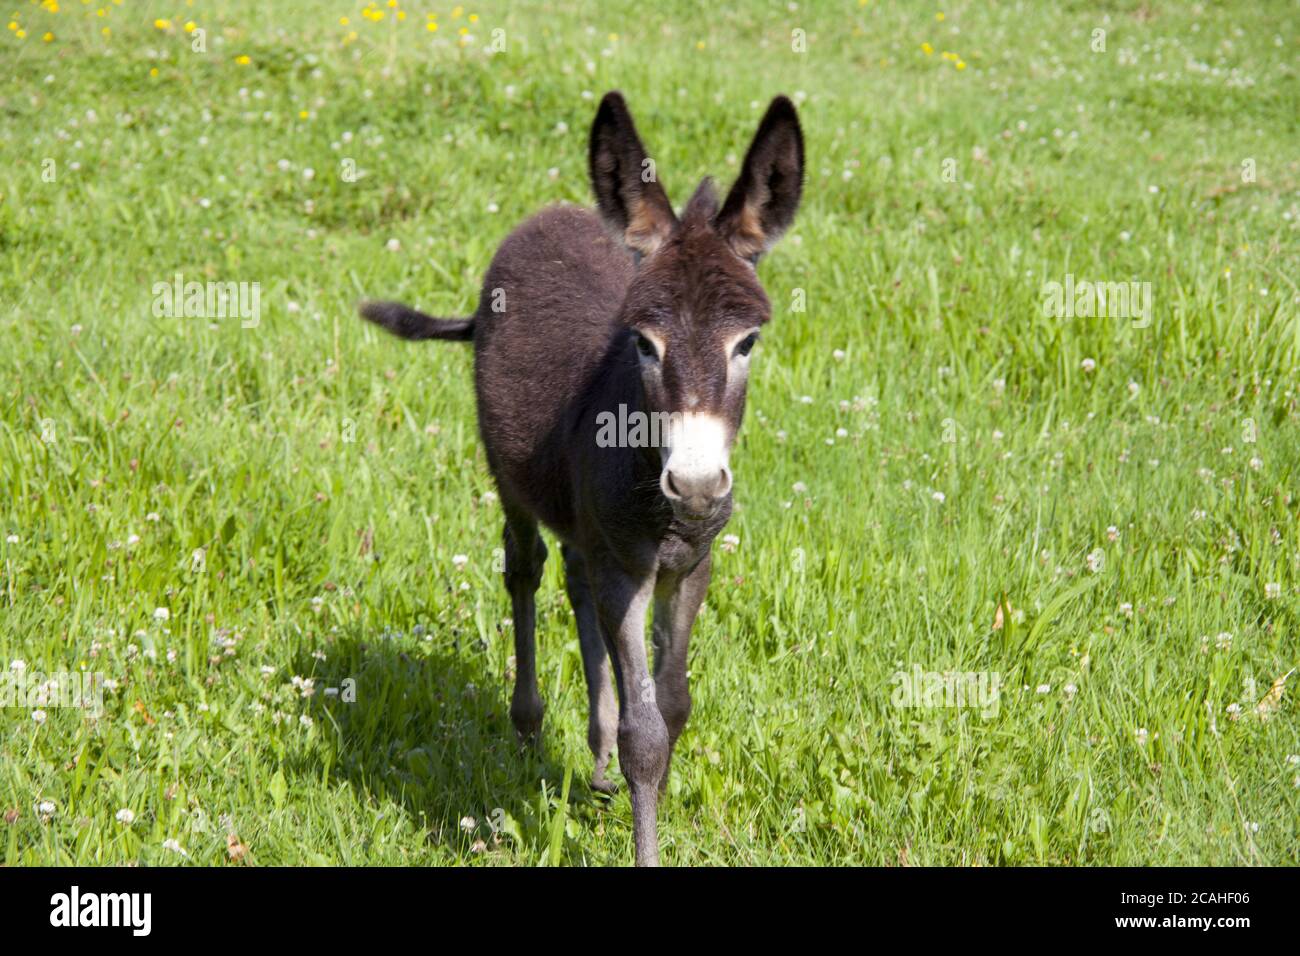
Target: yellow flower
(107, 31)
(699, 45)
(431, 27)
(392, 3)
(344, 21)
(243, 59)
(961, 64)
(191, 26)
(162, 24)
(401, 16)
(21, 34)
(939, 17)
(473, 18)
(48, 37)
(927, 49)
(463, 31)
(13, 24)
(456, 12)
(154, 71)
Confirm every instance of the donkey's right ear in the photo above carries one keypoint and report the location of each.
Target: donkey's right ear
(628, 195)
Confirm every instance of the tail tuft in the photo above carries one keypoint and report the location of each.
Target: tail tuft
(412, 324)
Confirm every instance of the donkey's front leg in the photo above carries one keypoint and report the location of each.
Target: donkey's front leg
(677, 600)
(602, 712)
(621, 603)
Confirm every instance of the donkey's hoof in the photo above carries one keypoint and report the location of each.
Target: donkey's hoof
(526, 715)
(602, 784)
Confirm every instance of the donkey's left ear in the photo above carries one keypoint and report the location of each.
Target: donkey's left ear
(762, 203)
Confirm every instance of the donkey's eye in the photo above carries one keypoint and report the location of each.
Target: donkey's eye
(646, 347)
(746, 345)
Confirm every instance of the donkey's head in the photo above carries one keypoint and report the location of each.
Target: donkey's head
(695, 307)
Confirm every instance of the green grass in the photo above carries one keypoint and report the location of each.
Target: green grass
(330, 474)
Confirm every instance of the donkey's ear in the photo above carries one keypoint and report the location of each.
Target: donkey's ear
(762, 203)
(628, 195)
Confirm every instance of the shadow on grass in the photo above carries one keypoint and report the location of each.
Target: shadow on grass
(428, 730)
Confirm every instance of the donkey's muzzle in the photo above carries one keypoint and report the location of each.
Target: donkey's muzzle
(696, 494)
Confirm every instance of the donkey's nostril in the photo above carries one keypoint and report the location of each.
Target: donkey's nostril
(673, 491)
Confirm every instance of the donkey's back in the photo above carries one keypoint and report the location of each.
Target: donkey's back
(546, 320)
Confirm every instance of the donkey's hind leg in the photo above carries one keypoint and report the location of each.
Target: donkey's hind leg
(525, 557)
(602, 712)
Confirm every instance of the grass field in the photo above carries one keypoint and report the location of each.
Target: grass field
(226, 519)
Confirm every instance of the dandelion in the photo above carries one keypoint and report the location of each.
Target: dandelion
(927, 49)
(243, 59)
(468, 824)
(125, 816)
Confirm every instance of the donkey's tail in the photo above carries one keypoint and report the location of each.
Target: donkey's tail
(411, 324)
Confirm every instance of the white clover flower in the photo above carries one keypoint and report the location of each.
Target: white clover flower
(125, 816)
(162, 614)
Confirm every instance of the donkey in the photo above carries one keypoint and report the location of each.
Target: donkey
(582, 313)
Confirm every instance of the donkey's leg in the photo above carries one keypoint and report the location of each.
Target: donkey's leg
(677, 601)
(621, 604)
(602, 712)
(525, 556)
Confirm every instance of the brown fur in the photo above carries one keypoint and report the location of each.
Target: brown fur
(576, 290)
